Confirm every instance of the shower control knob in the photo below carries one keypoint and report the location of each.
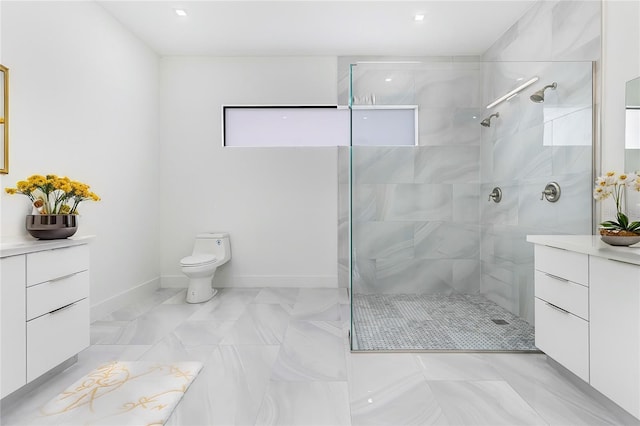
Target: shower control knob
(551, 192)
(496, 195)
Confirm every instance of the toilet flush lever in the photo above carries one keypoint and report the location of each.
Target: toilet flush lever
(496, 195)
(551, 192)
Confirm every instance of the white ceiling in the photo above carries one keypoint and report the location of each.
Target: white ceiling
(302, 27)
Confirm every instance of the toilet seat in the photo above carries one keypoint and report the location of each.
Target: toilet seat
(198, 260)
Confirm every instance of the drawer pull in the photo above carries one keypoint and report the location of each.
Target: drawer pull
(62, 277)
(55, 311)
(556, 248)
(621, 261)
(558, 308)
(555, 277)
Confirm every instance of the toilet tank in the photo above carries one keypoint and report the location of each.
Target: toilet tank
(216, 243)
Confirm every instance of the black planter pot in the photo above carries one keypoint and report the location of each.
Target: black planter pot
(52, 226)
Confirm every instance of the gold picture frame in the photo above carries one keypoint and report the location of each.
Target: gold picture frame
(4, 121)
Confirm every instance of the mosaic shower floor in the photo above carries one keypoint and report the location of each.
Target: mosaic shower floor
(466, 322)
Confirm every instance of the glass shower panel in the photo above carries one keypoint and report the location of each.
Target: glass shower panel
(531, 145)
(434, 265)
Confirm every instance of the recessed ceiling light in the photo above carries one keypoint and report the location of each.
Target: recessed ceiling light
(388, 79)
(419, 17)
(181, 12)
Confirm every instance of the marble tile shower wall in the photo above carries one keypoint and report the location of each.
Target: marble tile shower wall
(416, 209)
(558, 30)
(343, 217)
(512, 156)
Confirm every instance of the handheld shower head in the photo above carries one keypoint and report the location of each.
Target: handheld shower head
(487, 121)
(538, 96)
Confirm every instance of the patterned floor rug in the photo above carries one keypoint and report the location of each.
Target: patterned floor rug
(121, 393)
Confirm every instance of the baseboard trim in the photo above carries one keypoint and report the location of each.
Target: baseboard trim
(101, 309)
(258, 281)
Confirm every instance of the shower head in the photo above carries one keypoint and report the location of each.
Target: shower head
(538, 96)
(487, 121)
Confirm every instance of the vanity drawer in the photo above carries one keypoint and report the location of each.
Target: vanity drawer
(51, 264)
(48, 296)
(563, 263)
(564, 337)
(563, 293)
(55, 337)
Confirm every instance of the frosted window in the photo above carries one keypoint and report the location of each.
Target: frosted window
(285, 126)
(385, 126)
(318, 126)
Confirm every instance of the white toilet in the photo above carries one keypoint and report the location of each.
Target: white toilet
(209, 251)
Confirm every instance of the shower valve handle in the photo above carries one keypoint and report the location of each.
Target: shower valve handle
(551, 192)
(496, 195)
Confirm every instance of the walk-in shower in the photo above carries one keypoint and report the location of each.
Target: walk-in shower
(435, 262)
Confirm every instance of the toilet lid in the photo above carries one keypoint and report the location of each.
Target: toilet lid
(198, 259)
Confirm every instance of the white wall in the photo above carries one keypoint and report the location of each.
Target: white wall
(278, 204)
(620, 63)
(84, 103)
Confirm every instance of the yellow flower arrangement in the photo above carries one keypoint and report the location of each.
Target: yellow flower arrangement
(51, 194)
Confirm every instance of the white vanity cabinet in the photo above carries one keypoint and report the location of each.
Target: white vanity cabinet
(615, 331)
(45, 309)
(13, 347)
(57, 307)
(562, 307)
(595, 330)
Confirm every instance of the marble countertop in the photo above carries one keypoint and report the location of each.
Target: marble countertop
(589, 244)
(12, 246)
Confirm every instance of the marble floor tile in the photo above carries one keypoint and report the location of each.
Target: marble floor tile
(228, 304)
(198, 333)
(106, 332)
(171, 349)
(260, 324)
(483, 402)
(370, 372)
(230, 388)
(311, 350)
(389, 389)
(152, 326)
(320, 304)
(556, 399)
(407, 401)
(305, 403)
(227, 295)
(310, 376)
(457, 366)
(278, 295)
(345, 313)
(134, 310)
